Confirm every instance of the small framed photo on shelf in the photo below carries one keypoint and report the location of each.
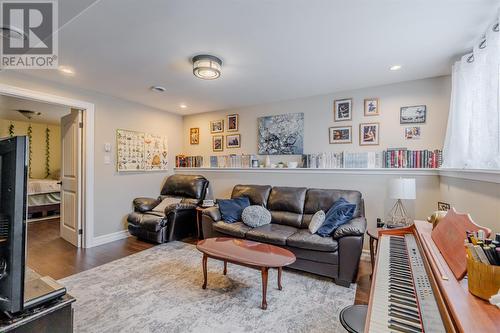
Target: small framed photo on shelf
(372, 107)
(233, 141)
(443, 206)
(340, 134)
(232, 123)
(412, 133)
(194, 136)
(413, 114)
(217, 126)
(342, 109)
(218, 143)
(369, 134)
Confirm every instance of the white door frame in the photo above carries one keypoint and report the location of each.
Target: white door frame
(88, 148)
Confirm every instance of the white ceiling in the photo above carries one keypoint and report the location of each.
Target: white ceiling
(272, 49)
(51, 114)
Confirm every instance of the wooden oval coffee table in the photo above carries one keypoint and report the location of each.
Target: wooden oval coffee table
(246, 253)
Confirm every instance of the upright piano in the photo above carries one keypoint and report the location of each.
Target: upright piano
(415, 290)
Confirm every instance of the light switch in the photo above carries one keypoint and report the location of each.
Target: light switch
(107, 147)
(107, 159)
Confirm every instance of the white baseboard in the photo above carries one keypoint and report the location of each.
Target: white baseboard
(104, 239)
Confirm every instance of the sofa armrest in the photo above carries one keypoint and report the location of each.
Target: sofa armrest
(350, 248)
(355, 227)
(179, 207)
(213, 213)
(145, 204)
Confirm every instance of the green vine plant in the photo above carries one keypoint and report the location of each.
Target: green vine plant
(47, 152)
(11, 130)
(30, 154)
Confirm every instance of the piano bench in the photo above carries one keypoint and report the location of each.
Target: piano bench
(353, 318)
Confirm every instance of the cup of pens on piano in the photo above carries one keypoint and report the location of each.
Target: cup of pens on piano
(483, 264)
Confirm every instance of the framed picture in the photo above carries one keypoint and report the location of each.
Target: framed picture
(218, 143)
(412, 133)
(233, 141)
(217, 126)
(444, 206)
(340, 134)
(342, 109)
(281, 134)
(369, 134)
(194, 136)
(232, 123)
(413, 114)
(372, 107)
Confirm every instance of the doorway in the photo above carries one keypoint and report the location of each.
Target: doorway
(76, 161)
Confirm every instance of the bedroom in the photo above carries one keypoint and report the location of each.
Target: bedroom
(41, 122)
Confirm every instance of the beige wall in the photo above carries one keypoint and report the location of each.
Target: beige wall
(114, 192)
(318, 117)
(478, 198)
(38, 145)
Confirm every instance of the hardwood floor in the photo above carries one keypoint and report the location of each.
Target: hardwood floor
(48, 254)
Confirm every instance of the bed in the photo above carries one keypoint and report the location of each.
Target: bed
(44, 197)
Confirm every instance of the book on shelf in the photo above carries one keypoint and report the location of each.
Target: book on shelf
(405, 158)
(183, 161)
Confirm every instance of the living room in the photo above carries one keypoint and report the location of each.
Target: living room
(220, 139)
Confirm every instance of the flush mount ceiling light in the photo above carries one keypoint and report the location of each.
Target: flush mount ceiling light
(12, 33)
(66, 70)
(158, 89)
(395, 68)
(183, 106)
(207, 67)
(29, 114)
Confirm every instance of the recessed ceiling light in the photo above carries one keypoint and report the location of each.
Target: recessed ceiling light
(66, 70)
(207, 67)
(395, 68)
(183, 106)
(158, 89)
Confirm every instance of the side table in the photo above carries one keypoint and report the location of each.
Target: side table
(199, 229)
(373, 234)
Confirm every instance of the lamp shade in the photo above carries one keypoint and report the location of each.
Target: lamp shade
(402, 188)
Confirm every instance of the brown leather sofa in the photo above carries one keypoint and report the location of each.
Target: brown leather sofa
(292, 209)
(178, 220)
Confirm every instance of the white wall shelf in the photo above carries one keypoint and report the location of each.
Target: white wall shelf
(492, 176)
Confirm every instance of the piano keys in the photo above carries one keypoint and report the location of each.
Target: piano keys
(414, 290)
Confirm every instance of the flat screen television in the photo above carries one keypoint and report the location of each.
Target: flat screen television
(13, 178)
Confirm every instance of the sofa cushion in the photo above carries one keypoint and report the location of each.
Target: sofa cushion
(287, 199)
(231, 209)
(319, 199)
(190, 186)
(255, 216)
(271, 233)
(236, 229)
(258, 194)
(355, 227)
(340, 213)
(305, 240)
(167, 201)
(286, 218)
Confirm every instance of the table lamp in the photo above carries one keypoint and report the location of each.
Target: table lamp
(401, 189)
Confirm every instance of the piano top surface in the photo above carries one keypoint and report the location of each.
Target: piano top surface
(468, 312)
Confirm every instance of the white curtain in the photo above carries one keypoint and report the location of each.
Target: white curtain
(473, 133)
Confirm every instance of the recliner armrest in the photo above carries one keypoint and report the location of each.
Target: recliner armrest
(213, 213)
(145, 204)
(355, 227)
(179, 206)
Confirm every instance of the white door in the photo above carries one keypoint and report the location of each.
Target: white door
(71, 170)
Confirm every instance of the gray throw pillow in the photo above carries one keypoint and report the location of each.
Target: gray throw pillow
(317, 221)
(166, 202)
(255, 216)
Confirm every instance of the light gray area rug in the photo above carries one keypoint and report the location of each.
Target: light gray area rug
(159, 290)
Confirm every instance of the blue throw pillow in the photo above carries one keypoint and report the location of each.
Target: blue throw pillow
(340, 213)
(231, 209)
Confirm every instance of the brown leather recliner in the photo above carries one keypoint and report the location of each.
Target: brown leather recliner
(178, 220)
(291, 210)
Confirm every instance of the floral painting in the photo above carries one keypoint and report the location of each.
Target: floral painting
(281, 134)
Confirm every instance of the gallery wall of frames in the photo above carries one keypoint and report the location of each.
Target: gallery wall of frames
(410, 115)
